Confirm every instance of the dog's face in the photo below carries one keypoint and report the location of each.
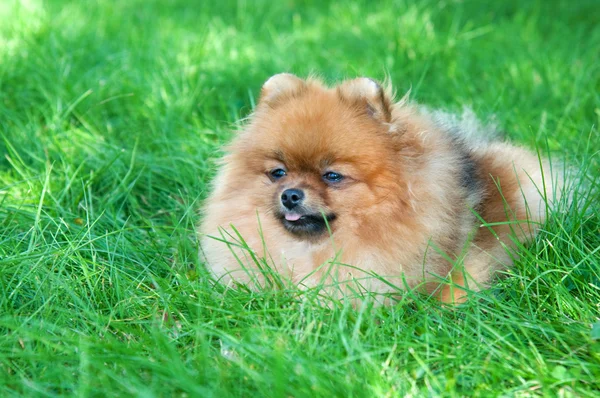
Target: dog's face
(320, 156)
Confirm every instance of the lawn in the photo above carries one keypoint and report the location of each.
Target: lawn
(112, 114)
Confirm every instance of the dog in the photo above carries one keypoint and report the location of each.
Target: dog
(344, 188)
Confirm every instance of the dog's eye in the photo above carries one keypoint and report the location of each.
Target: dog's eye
(332, 176)
(277, 173)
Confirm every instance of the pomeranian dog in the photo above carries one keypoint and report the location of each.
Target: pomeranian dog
(344, 189)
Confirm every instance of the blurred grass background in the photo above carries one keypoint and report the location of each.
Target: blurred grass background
(111, 116)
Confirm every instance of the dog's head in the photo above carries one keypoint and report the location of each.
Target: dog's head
(319, 156)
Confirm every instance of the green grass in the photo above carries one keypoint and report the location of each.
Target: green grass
(111, 116)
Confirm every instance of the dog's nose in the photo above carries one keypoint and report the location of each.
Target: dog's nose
(291, 198)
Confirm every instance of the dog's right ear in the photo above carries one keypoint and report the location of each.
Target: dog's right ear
(280, 87)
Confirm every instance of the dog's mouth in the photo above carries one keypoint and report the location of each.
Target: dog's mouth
(306, 225)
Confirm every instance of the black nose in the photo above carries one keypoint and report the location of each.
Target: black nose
(291, 198)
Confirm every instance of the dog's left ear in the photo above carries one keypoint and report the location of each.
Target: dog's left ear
(367, 93)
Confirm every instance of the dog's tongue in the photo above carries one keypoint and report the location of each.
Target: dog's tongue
(292, 216)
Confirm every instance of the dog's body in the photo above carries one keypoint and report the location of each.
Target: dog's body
(404, 191)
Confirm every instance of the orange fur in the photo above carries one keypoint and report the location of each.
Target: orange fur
(403, 211)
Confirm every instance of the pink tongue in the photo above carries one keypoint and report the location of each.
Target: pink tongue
(292, 216)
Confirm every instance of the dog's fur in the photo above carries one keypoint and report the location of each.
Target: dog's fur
(424, 196)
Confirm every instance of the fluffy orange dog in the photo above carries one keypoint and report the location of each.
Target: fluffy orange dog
(343, 187)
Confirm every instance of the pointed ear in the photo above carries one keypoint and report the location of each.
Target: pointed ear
(279, 87)
(367, 93)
